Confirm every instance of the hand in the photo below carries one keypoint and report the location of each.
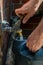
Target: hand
(35, 40)
(28, 8)
(35, 45)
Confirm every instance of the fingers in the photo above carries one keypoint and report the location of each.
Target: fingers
(20, 11)
(25, 10)
(26, 18)
(34, 47)
(37, 46)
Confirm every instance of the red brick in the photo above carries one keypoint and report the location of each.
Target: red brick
(28, 26)
(17, 1)
(35, 25)
(35, 19)
(24, 1)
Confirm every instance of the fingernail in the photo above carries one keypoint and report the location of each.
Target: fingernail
(24, 21)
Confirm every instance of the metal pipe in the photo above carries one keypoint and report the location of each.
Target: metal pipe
(1, 18)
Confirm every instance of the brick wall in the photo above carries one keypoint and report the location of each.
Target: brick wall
(18, 1)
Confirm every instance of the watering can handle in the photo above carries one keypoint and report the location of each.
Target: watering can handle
(22, 16)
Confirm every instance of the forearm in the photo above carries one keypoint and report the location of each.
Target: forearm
(41, 25)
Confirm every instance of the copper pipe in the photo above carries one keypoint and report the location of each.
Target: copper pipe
(1, 33)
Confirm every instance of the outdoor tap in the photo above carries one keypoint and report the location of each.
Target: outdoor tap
(4, 22)
(5, 26)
